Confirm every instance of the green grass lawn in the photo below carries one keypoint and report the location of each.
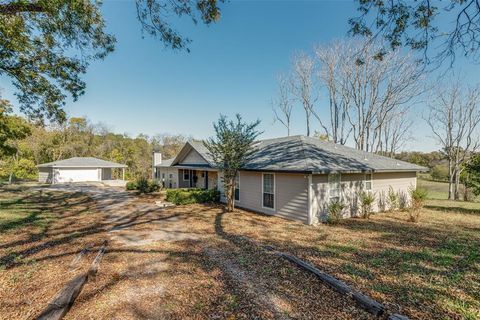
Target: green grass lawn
(436, 189)
(20, 208)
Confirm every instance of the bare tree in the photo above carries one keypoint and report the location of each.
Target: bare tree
(365, 92)
(302, 81)
(453, 117)
(282, 105)
(333, 63)
(394, 132)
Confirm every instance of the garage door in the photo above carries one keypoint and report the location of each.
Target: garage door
(76, 175)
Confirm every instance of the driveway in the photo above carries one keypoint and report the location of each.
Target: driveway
(123, 210)
(183, 262)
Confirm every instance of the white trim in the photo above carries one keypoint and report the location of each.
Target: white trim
(365, 181)
(274, 191)
(339, 183)
(310, 199)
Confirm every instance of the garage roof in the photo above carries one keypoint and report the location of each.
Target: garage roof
(82, 162)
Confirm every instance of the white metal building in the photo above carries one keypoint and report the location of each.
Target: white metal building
(78, 169)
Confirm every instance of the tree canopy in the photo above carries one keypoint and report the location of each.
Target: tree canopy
(417, 25)
(47, 45)
(12, 129)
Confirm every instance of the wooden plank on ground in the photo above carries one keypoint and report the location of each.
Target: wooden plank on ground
(64, 300)
(362, 300)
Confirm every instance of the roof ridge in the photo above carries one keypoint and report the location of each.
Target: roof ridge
(307, 164)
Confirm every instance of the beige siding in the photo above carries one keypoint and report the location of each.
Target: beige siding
(319, 197)
(168, 177)
(351, 184)
(291, 194)
(45, 175)
(401, 182)
(193, 157)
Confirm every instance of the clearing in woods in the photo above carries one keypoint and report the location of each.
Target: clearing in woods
(196, 261)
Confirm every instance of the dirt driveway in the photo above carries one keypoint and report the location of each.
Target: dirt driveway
(169, 263)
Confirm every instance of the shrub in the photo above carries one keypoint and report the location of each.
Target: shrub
(143, 185)
(418, 197)
(131, 185)
(439, 173)
(188, 196)
(392, 199)
(335, 209)
(366, 203)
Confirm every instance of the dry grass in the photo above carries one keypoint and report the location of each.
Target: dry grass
(427, 270)
(41, 235)
(217, 276)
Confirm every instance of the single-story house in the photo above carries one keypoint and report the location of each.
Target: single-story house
(295, 177)
(78, 169)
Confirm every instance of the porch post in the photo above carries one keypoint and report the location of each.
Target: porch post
(123, 173)
(206, 179)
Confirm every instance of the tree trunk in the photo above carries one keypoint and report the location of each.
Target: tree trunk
(457, 184)
(230, 194)
(450, 180)
(308, 123)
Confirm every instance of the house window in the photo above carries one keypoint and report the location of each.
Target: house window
(186, 175)
(368, 182)
(170, 176)
(237, 187)
(268, 190)
(334, 186)
(163, 175)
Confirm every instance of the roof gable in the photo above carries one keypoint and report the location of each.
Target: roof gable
(192, 153)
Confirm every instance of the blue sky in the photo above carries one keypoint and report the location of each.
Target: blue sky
(144, 88)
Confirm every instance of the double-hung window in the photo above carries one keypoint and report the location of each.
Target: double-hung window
(186, 175)
(237, 187)
(268, 190)
(368, 182)
(334, 186)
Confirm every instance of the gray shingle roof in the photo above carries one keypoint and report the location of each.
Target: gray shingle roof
(307, 154)
(83, 162)
(165, 163)
(200, 147)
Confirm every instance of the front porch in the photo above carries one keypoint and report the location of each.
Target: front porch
(197, 178)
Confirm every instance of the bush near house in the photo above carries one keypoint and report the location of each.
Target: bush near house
(335, 209)
(188, 196)
(418, 200)
(366, 200)
(143, 185)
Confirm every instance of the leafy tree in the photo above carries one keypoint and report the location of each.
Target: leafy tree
(439, 173)
(413, 24)
(471, 175)
(47, 45)
(12, 129)
(230, 149)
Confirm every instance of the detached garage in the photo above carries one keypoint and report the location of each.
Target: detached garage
(78, 169)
